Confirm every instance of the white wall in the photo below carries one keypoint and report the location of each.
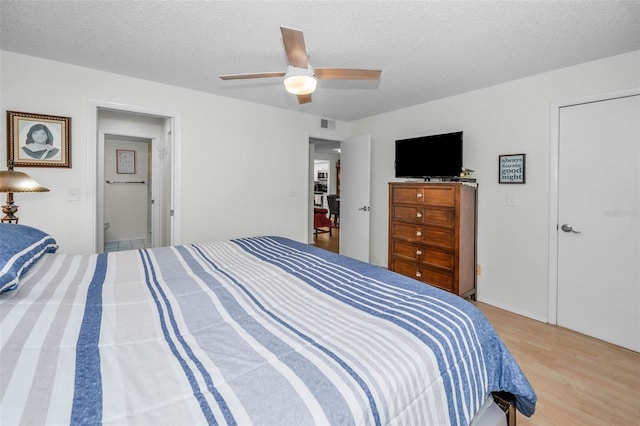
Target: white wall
(504, 119)
(225, 145)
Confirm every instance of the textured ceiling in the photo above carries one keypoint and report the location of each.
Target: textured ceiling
(427, 50)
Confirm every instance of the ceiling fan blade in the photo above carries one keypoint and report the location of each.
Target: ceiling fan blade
(294, 47)
(254, 75)
(347, 74)
(304, 99)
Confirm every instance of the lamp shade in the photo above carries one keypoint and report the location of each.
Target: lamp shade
(300, 81)
(12, 181)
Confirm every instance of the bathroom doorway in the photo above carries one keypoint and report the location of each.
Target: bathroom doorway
(130, 190)
(135, 177)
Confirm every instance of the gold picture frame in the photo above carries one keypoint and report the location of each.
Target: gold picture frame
(38, 140)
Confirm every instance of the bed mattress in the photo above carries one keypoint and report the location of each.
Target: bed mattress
(259, 331)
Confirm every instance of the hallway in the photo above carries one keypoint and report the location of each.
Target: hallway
(329, 242)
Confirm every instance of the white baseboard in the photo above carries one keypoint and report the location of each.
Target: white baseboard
(512, 309)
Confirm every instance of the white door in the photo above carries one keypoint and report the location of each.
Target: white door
(598, 216)
(355, 174)
(154, 194)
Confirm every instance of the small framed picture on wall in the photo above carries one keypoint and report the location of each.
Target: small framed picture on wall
(125, 161)
(511, 168)
(38, 140)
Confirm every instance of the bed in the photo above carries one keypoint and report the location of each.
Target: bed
(262, 331)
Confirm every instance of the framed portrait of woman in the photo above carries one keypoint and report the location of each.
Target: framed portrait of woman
(38, 140)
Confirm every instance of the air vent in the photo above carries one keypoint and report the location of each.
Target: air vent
(327, 124)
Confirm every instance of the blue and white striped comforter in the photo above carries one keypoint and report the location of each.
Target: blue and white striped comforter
(262, 331)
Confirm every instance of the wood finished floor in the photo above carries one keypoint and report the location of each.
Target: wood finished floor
(579, 380)
(329, 242)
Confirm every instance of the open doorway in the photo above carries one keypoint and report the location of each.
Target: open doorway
(354, 185)
(324, 181)
(130, 184)
(135, 176)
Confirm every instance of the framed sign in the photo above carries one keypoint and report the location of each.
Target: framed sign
(38, 140)
(511, 168)
(125, 161)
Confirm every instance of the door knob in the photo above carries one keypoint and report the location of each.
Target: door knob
(567, 228)
(365, 208)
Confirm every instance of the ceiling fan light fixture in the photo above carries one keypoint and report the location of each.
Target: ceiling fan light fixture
(300, 81)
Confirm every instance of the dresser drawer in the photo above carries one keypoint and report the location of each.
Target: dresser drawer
(434, 236)
(423, 254)
(439, 217)
(421, 215)
(434, 195)
(408, 194)
(407, 213)
(443, 280)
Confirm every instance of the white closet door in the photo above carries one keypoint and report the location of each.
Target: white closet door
(598, 208)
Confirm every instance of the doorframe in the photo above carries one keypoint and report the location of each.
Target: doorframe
(554, 165)
(174, 144)
(309, 187)
(155, 183)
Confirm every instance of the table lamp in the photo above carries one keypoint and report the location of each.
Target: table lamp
(12, 181)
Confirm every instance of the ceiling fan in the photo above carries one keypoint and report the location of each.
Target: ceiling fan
(301, 78)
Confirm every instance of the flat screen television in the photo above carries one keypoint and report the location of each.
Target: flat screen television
(435, 156)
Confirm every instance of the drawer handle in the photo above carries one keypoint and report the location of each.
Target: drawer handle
(418, 233)
(418, 252)
(419, 195)
(418, 214)
(418, 274)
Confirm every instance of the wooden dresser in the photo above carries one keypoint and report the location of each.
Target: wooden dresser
(432, 234)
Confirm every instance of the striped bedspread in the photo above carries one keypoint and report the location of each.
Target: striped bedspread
(262, 331)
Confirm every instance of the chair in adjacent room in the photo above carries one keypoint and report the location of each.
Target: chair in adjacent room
(334, 209)
(320, 220)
